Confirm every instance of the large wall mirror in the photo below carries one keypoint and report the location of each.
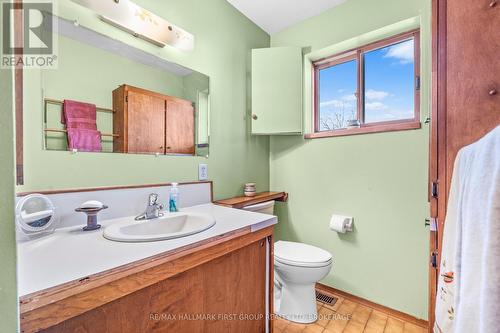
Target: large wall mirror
(107, 96)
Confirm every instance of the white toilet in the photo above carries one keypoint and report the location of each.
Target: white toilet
(297, 268)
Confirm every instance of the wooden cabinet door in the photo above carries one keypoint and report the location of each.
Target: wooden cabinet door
(180, 127)
(146, 123)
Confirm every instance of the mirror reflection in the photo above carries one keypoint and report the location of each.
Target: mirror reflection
(107, 96)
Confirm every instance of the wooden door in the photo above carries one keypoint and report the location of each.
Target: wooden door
(473, 73)
(466, 101)
(146, 123)
(180, 127)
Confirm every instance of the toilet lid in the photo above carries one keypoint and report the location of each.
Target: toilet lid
(300, 254)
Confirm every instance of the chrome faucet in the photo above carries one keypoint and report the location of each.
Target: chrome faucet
(152, 210)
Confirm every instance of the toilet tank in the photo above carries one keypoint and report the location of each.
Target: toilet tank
(266, 207)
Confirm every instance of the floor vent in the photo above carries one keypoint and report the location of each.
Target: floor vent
(323, 298)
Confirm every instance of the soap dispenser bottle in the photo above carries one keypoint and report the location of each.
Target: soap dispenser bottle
(173, 198)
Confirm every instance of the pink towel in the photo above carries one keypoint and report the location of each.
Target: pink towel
(84, 139)
(80, 120)
(79, 115)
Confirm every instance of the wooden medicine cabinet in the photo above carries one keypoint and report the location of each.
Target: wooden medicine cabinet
(153, 123)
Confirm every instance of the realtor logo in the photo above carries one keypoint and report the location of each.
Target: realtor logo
(28, 35)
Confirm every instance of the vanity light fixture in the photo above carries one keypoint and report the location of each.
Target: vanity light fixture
(141, 23)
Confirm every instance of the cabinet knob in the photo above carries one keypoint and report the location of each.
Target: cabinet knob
(493, 3)
(254, 117)
(492, 92)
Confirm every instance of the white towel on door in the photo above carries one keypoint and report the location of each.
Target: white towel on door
(468, 295)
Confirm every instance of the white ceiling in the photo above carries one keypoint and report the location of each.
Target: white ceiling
(276, 15)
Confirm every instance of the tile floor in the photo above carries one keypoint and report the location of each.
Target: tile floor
(347, 316)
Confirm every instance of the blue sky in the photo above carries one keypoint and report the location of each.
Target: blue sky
(389, 87)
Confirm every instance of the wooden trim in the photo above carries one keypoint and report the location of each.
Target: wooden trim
(384, 40)
(442, 124)
(315, 91)
(156, 94)
(240, 202)
(438, 152)
(382, 308)
(358, 55)
(335, 60)
(52, 306)
(367, 128)
(18, 93)
(417, 73)
(165, 115)
(360, 88)
(390, 40)
(108, 188)
(434, 153)
(270, 240)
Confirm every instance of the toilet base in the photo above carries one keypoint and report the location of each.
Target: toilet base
(297, 303)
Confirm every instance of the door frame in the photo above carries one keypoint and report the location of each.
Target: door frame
(437, 156)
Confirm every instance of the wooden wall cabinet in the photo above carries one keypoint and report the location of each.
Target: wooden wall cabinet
(152, 123)
(277, 90)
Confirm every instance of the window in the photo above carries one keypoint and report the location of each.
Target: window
(371, 89)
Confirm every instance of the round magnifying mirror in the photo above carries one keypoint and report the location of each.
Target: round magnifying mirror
(35, 213)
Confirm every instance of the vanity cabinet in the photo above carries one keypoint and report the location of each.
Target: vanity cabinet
(222, 284)
(277, 90)
(149, 122)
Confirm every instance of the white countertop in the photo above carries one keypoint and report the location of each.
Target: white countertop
(71, 254)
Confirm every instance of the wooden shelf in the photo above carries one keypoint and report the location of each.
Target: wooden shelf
(240, 202)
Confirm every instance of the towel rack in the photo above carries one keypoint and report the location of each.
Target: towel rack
(65, 131)
(59, 102)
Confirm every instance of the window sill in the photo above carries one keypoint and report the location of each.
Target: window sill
(375, 128)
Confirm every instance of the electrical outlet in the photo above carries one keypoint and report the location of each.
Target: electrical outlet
(202, 172)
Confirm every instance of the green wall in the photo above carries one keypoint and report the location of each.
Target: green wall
(8, 291)
(380, 179)
(223, 40)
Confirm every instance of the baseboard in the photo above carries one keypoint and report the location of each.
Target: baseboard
(394, 313)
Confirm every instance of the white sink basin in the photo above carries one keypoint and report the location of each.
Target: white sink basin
(170, 225)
